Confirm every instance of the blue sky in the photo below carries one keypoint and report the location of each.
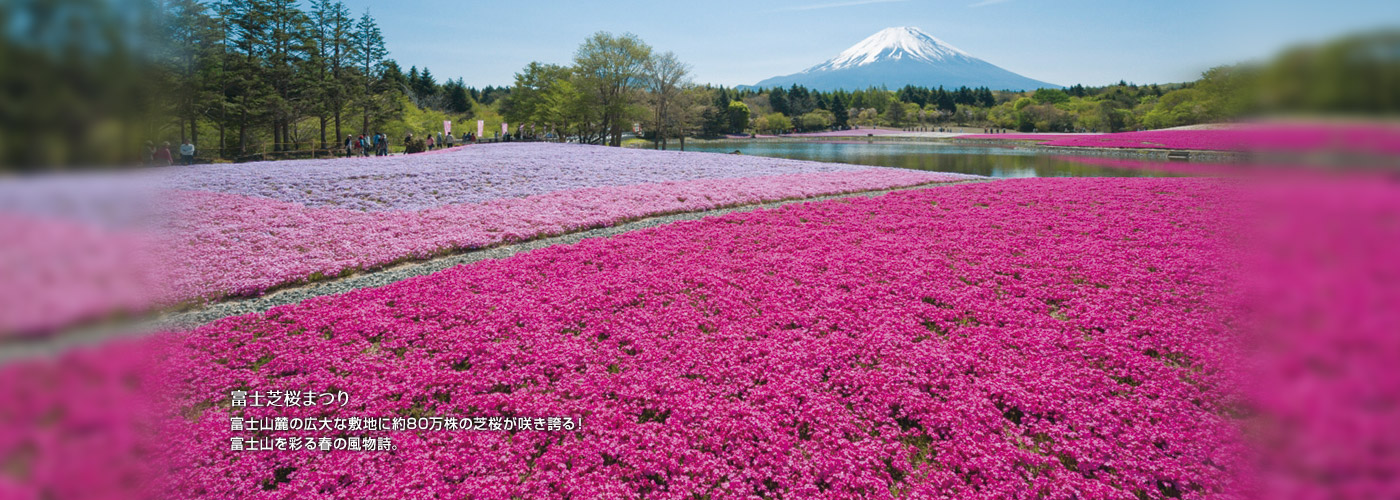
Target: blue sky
(732, 42)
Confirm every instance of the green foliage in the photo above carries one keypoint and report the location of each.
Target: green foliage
(820, 119)
(670, 97)
(421, 121)
(1356, 74)
(609, 70)
(456, 97)
(897, 115)
(841, 116)
(1050, 96)
(775, 123)
(738, 117)
(528, 100)
(615, 81)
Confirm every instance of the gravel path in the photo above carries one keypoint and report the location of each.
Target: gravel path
(22, 348)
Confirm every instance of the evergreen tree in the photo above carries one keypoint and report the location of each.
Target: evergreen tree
(964, 96)
(392, 78)
(286, 49)
(370, 50)
(334, 53)
(424, 89)
(946, 101)
(192, 56)
(715, 118)
(455, 96)
(248, 89)
(985, 98)
(800, 101)
(778, 99)
(838, 109)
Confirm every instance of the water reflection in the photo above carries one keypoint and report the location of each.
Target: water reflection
(940, 157)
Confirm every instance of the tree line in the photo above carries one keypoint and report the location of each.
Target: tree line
(613, 83)
(618, 81)
(269, 76)
(614, 80)
(1353, 75)
(90, 81)
(93, 80)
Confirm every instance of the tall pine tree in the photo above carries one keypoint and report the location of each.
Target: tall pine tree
(370, 50)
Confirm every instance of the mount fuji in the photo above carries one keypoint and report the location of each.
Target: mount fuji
(896, 57)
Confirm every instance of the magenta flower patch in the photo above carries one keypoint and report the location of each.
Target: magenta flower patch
(1049, 338)
(1283, 138)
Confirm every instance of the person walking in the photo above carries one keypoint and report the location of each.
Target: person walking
(187, 153)
(450, 140)
(349, 146)
(430, 142)
(163, 155)
(148, 154)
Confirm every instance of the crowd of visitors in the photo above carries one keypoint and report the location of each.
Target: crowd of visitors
(162, 157)
(377, 144)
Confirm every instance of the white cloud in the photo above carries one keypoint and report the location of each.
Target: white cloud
(985, 3)
(850, 3)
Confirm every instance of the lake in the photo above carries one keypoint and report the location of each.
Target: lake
(939, 157)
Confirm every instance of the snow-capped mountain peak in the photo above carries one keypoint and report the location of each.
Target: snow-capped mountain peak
(894, 44)
(896, 57)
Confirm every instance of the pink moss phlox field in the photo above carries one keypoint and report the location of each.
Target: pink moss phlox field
(1045, 338)
(474, 174)
(78, 249)
(1326, 291)
(1178, 168)
(58, 272)
(439, 151)
(855, 132)
(244, 245)
(77, 425)
(1363, 139)
(75, 248)
(1026, 137)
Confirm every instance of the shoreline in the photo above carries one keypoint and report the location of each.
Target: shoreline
(1209, 156)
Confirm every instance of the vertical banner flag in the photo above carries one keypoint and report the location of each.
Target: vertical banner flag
(480, 128)
(447, 127)
(505, 130)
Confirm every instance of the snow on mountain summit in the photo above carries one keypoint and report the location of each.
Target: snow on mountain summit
(895, 57)
(894, 44)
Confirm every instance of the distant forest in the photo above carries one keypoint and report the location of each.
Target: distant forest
(1357, 75)
(89, 82)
